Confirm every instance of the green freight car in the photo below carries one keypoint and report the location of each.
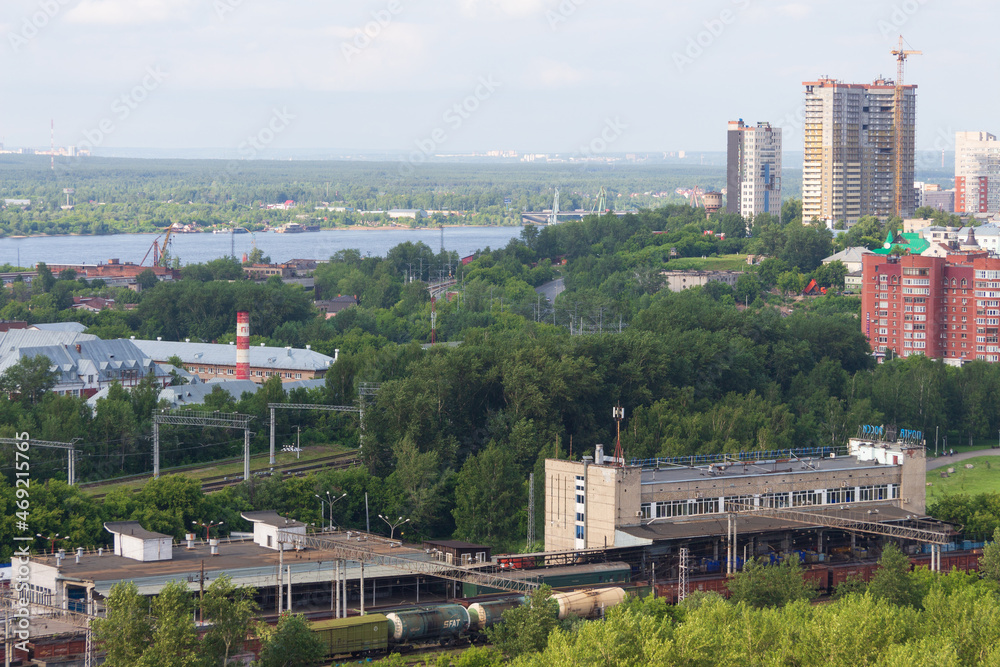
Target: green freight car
(570, 576)
(360, 635)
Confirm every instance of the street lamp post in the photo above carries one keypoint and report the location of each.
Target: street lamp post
(331, 501)
(53, 539)
(207, 526)
(393, 525)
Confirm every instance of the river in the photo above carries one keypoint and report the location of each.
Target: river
(199, 248)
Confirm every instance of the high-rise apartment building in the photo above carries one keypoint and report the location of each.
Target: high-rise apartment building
(977, 173)
(753, 169)
(850, 150)
(942, 307)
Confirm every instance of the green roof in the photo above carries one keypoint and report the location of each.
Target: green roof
(911, 242)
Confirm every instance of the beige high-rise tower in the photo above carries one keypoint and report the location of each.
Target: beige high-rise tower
(850, 157)
(977, 173)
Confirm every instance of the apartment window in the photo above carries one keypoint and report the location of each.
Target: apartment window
(646, 510)
(579, 517)
(230, 371)
(579, 499)
(579, 532)
(90, 379)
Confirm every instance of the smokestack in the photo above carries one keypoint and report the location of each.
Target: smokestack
(242, 345)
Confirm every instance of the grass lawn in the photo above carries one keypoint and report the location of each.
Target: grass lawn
(232, 468)
(984, 477)
(721, 263)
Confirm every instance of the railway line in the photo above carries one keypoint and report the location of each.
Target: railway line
(218, 482)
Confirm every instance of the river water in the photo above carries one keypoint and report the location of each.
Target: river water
(199, 248)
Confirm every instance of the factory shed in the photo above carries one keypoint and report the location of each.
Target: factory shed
(135, 542)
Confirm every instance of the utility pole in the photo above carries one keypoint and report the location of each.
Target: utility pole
(531, 511)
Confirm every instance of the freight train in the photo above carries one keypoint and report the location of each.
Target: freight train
(827, 576)
(445, 624)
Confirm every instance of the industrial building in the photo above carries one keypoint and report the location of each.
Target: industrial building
(778, 501)
(753, 169)
(850, 163)
(209, 360)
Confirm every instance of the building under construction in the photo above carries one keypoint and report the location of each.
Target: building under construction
(859, 146)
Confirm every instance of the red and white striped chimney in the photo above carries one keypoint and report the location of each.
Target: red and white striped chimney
(242, 345)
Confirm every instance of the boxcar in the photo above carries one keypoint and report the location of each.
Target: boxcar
(360, 635)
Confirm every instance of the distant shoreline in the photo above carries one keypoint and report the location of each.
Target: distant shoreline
(360, 228)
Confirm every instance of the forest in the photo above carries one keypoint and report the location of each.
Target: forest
(126, 196)
(456, 429)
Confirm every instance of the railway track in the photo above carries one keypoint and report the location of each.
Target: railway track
(218, 482)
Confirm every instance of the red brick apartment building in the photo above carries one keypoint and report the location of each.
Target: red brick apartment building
(942, 307)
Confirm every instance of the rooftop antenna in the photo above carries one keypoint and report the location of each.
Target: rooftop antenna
(619, 414)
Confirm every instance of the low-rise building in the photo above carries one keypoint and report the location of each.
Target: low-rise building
(211, 361)
(849, 257)
(678, 281)
(84, 364)
(331, 307)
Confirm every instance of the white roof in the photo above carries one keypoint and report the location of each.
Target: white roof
(852, 254)
(277, 358)
(69, 327)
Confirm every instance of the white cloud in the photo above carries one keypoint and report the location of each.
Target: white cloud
(795, 10)
(128, 12)
(553, 73)
(509, 8)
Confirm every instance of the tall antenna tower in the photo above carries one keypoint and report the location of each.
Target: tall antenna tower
(531, 511)
(682, 571)
(901, 138)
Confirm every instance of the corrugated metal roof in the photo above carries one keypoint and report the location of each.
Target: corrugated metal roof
(278, 358)
(68, 327)
(271, 518)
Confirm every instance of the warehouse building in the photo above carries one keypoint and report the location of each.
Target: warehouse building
(210, 361)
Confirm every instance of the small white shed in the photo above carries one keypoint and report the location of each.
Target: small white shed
(266, 526)
(135, 542)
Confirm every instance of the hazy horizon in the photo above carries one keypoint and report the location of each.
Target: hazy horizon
(576, 77)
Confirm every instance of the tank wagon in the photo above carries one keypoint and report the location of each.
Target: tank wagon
(588, 603)
(485, 614)
(445, 623)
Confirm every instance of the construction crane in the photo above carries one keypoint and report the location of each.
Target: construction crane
(159, 258)
(897, 124)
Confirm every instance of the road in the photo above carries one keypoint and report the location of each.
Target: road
(552, 289)
(943, 461)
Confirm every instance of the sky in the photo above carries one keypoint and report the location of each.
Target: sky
(254, 77)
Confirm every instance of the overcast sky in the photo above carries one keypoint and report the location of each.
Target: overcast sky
(527, 75)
